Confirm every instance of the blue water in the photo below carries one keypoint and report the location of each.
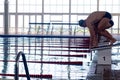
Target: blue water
(40, 49)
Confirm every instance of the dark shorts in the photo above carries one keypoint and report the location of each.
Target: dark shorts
(107, 15)
(111, 22)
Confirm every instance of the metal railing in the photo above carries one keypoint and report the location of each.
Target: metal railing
(17, 66)
(56, 29)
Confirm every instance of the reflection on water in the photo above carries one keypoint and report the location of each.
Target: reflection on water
(63, 58)
(5, 58)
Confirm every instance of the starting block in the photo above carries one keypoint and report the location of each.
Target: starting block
(104, 56)
(104, 52)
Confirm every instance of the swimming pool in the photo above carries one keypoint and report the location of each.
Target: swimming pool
(62, 57)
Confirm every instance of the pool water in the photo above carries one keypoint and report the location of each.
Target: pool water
(63, 58)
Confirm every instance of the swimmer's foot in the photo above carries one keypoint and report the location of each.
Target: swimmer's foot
(112, 41)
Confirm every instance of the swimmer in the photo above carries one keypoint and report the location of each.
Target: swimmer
(97, 23)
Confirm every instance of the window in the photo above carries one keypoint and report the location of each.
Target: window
(12, 5)
(56, 6)
(30, 6)
(83, 6)
(1, 5)
(112, 6)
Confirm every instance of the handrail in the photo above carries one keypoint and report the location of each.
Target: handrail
(17, 66)
(53, 23)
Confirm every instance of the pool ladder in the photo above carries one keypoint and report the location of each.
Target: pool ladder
(17, 66)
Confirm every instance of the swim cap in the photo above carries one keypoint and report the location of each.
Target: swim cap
(81, 23)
